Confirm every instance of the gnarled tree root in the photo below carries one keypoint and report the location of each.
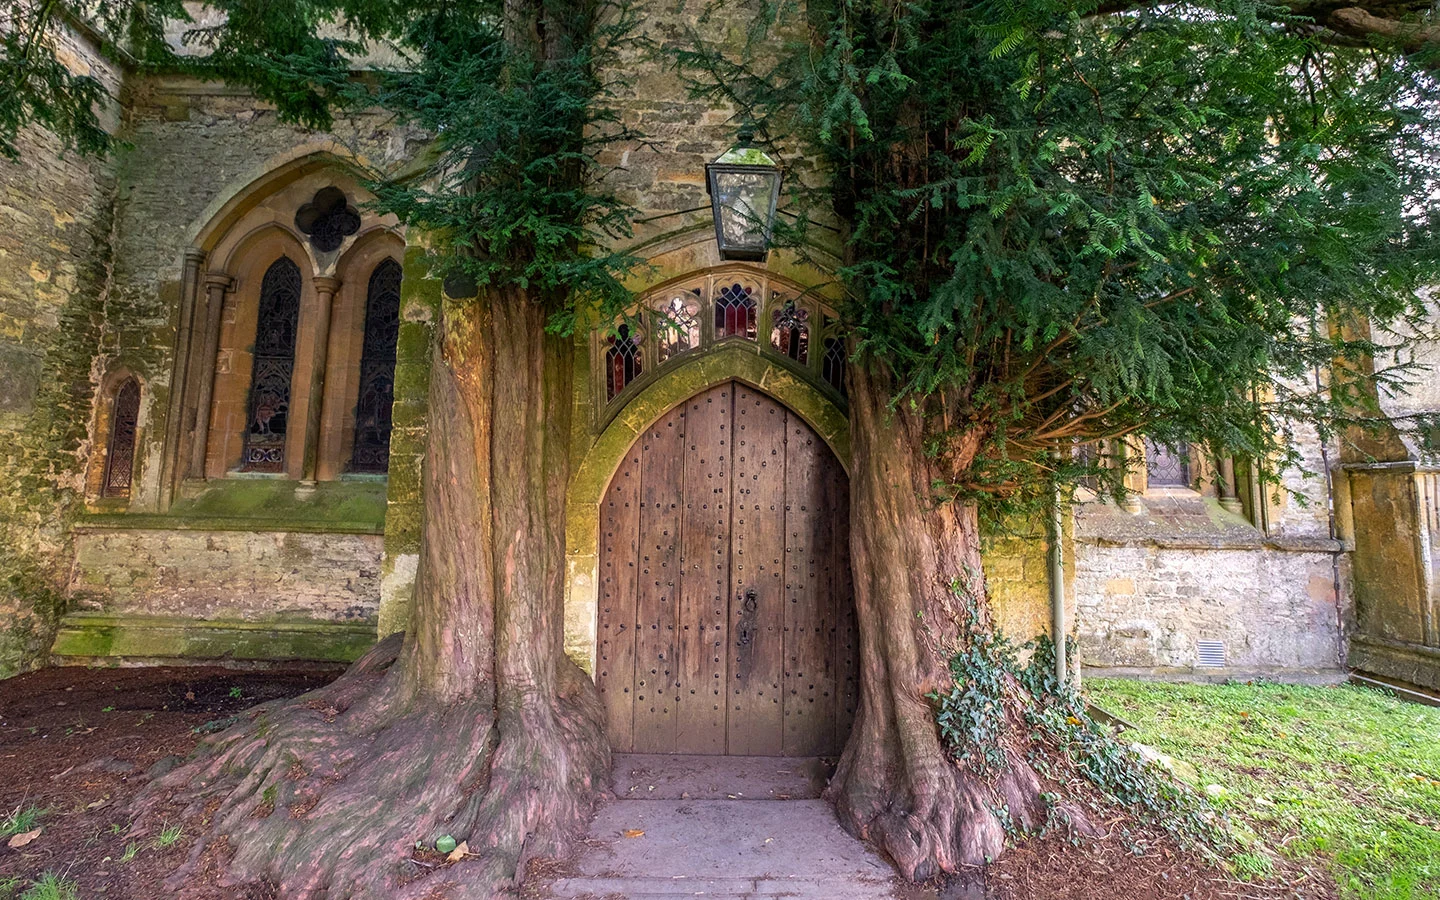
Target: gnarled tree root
(326, 795)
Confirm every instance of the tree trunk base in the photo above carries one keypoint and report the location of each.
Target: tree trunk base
(326, 795)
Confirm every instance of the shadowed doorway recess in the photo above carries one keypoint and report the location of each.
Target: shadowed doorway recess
(726, 614)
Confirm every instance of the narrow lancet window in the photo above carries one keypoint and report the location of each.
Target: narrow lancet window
(833, 364)
(273, 368)
(373, 411)
(622, 360)
(120, 458)
(790, 332)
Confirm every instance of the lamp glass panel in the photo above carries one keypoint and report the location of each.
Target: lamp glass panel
(742, 200)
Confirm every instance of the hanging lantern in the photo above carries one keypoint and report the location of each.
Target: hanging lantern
(744, 187)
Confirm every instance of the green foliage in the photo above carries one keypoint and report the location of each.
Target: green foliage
(20, 820)
(1066, 225)
(50, 886)
(169, 834)
(1344, 774)
(1063, 739)
(510, 192)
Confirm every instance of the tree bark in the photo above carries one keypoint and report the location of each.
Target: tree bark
(919, 596)
(478, 725)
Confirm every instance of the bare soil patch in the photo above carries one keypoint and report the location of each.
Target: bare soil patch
(77, 743)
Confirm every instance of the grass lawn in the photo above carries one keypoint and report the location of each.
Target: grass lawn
(1346, 774)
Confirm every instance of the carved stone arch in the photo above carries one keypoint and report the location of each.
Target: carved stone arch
(728, 362)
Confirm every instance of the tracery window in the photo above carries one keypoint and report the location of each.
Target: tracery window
(833, 365)
(667, 328)
(374, 407)
(735, 312)
(677, 327)
(124, 423)
(790, 332)
(272, 368)
(623, 363)
(1167, 465)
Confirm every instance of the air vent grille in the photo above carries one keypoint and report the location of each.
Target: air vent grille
(1210, 654)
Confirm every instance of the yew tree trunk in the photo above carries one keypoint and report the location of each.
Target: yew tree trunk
(919, 596)
(477, 726)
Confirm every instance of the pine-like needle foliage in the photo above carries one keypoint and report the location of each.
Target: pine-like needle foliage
(510, 96)
(1065, 224)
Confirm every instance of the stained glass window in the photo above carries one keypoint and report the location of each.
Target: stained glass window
(328, 219)
(1167, 466)
(622, 360)
(273, 368)
(124, 421)
(833, 364)
(735, 312)
(790, 332)
(678, 324)
(373, 420)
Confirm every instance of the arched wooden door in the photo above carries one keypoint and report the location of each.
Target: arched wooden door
(727, 618)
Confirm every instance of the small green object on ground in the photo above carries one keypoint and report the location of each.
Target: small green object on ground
(1346, 776)
(445, 843)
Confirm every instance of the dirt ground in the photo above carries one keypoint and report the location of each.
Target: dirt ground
(78, 742)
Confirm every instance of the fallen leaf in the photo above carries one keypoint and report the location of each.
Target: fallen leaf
(633, 833)
(189, 695)
(96, 805)
(21, 840)
(459, 852)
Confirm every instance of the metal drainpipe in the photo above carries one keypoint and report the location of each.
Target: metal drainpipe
(1057, 586)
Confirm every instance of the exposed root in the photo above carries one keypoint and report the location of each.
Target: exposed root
(327, 795)
(925, 812)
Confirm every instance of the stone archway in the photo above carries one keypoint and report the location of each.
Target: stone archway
(725, 616)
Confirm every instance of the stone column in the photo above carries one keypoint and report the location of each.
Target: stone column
(179, 414)
(1225, 489)
(308, 386)
(217, 285)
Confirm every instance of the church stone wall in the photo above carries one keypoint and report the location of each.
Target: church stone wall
(55, 207)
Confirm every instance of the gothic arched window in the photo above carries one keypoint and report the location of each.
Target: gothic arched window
(373, 409)
(833, 364)
(734, 312)
(120, 458)
(273, 367)
(622, 360)
(790, 332)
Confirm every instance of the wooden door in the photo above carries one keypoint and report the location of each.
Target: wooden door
(726, 620)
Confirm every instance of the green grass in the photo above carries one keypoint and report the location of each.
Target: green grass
(8, 887)
(169, 835)
(1344, 774)
(20, 820)
(52, 887)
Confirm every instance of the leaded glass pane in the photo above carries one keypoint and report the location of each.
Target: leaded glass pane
(1167, 466)
(622, 360)
(735, 312)
(832, 365)
(790, 332)
(373, 409)
(273, 368)
(678, 324)
(124, 422)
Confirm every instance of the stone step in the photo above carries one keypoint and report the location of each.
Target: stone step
(679, 888)
(649, 776)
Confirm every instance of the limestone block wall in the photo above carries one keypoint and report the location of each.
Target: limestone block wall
(55, 222)
(1142, 609)
(228, 574)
